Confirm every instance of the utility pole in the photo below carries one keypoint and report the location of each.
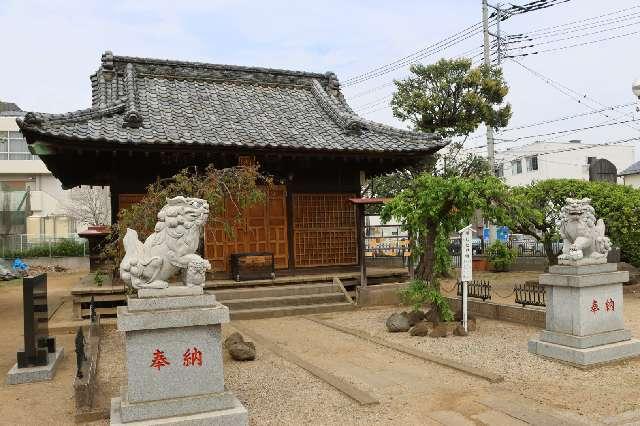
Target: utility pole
(487, 62)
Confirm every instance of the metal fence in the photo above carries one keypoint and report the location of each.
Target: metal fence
(476, 289)
(26, 245)
(530, 293)
(524, 248)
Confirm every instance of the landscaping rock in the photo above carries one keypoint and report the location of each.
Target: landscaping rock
(439, 330)
(415, 317)
(239, 349)
(459, 330)
(242, 351)
(7, 274)
(232, 339)
(398, 322)
(421, 329)
(432, 316)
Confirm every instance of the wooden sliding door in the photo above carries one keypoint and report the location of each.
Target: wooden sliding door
(324, 229)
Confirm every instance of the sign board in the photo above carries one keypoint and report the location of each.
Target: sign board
(466, 267)
(466, 254)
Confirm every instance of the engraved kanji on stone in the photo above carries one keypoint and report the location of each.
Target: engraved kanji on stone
(610, 305)
(159, 360)
(192, 357)
(594, 306)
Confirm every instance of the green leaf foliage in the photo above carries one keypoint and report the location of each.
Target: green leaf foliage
(535, 210)
(452, 98)
(501, 257)
(419, 293)
(229, 192)
(433, 207)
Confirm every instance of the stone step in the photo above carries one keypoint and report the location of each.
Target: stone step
(273, 291)
(245, 314)
(293, 300)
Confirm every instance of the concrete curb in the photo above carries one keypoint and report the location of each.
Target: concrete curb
(477, 372)
(348, 389)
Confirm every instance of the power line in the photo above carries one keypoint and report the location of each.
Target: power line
(572, 45)
(579, 98)
(541, 153)
(416, 56)
(559, 132)
(563, 118)
(581, 20)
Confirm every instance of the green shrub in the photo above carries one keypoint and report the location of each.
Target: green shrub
(63, 248)
(418, 293)
(501, 257)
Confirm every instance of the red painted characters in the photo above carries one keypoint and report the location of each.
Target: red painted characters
(159, 360)
(192, 357)
(610, 305)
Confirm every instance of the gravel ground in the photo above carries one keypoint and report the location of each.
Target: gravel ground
(275, 391)
(501, 347)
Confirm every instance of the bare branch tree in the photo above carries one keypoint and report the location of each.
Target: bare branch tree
(89, 205)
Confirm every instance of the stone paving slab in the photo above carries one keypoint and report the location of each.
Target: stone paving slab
(497, 418)
(451, 418)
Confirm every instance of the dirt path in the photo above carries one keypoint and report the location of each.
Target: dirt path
(36, 403)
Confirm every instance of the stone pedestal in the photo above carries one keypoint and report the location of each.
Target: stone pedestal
(584, 318)
(174, 361)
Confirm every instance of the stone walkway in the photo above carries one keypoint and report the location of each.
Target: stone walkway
(410, 390)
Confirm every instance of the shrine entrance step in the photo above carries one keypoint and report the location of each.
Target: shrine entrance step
(283, 300)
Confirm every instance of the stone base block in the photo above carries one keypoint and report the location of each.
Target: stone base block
(584, 342)
(132, 411)
(588, 357)
(36, 374)
(235, 416)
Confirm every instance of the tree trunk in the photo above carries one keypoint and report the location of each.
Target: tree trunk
(428, 257)
(552, 257)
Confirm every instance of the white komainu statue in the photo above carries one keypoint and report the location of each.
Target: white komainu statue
(171, 248)
(584, 239)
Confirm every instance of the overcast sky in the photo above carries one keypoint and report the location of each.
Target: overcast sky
(49, 49)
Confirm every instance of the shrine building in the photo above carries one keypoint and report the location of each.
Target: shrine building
(150, 118)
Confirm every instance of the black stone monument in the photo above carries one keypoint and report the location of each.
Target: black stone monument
(37, 343)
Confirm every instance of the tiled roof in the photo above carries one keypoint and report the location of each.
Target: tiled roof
(631, 170)
(152, 101)
(9, 106)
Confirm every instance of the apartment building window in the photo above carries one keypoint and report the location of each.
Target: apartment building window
(14, 147)
(500, 170)
(532, 163)
(516, 167)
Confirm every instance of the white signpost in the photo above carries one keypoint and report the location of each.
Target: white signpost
(466, 269)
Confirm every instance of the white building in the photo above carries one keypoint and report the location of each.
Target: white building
(557, 160)
(22, 173)
(631, 175)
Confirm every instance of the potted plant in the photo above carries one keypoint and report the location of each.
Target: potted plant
(501, 257)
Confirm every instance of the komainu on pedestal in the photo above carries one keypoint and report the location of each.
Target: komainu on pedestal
(173, 333)
(584, 323)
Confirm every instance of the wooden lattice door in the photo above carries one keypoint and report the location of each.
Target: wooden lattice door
(324, 228)
(263, 228)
